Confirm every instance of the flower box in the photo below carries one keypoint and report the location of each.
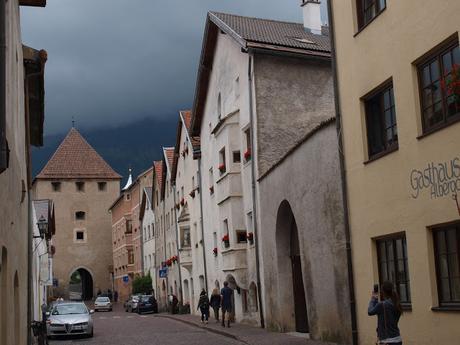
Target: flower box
(214, 251)
(247, 155)
(250, 237)
(169, 262)
(226, 240)
(174, 258)
(221, 168)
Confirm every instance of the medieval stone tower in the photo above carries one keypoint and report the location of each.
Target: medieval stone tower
(82, 186)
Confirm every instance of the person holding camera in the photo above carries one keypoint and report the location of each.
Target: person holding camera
(388, 311)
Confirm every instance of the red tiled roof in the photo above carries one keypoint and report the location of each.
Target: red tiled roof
(75, 158)
(187, 116)
(169, 153)
(159, 172)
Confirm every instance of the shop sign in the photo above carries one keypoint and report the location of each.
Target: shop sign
(437, 179)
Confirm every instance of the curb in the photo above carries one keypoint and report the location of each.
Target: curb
(208, 329)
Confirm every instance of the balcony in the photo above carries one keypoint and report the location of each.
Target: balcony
(234, 258)
(229, 186)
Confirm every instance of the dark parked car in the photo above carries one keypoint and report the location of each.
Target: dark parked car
(147, 304)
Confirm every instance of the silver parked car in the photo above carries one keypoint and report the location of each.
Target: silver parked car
(70, 318)
(102, 303)
(131, 303)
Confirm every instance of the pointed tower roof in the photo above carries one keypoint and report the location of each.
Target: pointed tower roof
(129, 182)
(75, 158)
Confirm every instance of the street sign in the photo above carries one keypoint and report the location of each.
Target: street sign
(163, 272)
(125, 279)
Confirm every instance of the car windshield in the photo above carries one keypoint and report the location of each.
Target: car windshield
(145, 298)
(102, 299)
(70, 309)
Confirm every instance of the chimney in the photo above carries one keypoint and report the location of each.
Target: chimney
(312, 16)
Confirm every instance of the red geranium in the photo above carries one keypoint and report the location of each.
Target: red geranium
(221, 167)
(247, 154)
(225, 238)
(215, 251)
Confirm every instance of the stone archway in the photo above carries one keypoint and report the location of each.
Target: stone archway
(81, 285)
(232, 285)
(291, 287)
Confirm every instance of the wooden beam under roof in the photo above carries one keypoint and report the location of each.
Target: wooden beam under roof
(35, 3)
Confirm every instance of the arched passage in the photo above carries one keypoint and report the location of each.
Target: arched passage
(290, 275)
(4, 297)
(81, 285)
(232, 285)
(186, 292)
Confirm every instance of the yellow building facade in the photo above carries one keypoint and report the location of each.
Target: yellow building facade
(399, 106)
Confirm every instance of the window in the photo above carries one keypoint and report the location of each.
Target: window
(368, 10)
(222, 166)
(80, 235)
(56, 186)
(102, 186)
(439, 76)
(236, 157)
(130, 257)
(447, 257)
(128, 197)
(80, 186)
(185, 238)
(241, 236)
(129, 227)
(219, 106)
(382, 131)
(80, 215)
(392, 263)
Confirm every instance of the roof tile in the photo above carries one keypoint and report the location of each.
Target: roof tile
(76, 158)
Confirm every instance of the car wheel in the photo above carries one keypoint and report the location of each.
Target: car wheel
(91, 334)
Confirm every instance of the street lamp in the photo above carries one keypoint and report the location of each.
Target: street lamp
(42, 227)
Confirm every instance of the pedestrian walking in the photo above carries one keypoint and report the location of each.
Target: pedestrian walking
(215, 303)
(388, 311)
(203, 305)
(226, 303)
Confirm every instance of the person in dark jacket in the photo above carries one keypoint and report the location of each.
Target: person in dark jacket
(215, 303)
(203, 305)
(388, 312)
(227, 303)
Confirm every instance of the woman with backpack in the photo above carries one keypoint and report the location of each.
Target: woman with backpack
(388, 312)
(203, 305)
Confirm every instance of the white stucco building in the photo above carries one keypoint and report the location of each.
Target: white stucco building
(147, 221)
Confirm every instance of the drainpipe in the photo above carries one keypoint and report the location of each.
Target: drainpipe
(181, 295)
(254, 192)
(3, 145)
(200, 186)
(30, 300)
(351, 284)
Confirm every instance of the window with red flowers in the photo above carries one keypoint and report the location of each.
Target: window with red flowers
(439, 83)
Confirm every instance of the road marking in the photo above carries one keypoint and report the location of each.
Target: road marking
(130, 317)
(117, 317)
(143, 316)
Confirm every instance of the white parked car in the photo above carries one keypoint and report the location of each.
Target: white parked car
(102, 303)
(69, 319)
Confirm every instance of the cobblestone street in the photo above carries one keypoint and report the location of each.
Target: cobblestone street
(121, 328)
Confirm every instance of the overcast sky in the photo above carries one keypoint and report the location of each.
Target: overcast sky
(114, 61)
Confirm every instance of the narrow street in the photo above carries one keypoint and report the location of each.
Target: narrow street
(121, 328)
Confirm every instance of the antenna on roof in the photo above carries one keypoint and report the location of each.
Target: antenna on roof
(73, 122)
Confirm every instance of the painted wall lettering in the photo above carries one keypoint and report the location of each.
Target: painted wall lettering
(441, 179)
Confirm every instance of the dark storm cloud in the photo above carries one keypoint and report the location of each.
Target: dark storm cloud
(115, 61)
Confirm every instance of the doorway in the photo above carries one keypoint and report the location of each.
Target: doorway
(81, 285)
(291, 278)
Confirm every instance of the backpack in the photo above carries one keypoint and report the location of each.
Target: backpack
(204, 302)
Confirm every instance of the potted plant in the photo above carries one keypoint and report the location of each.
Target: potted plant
(211, 190)
(221, 168)
(226, 240)
(214, 251)
(169, 262)
(247, 154)
(250, 237)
